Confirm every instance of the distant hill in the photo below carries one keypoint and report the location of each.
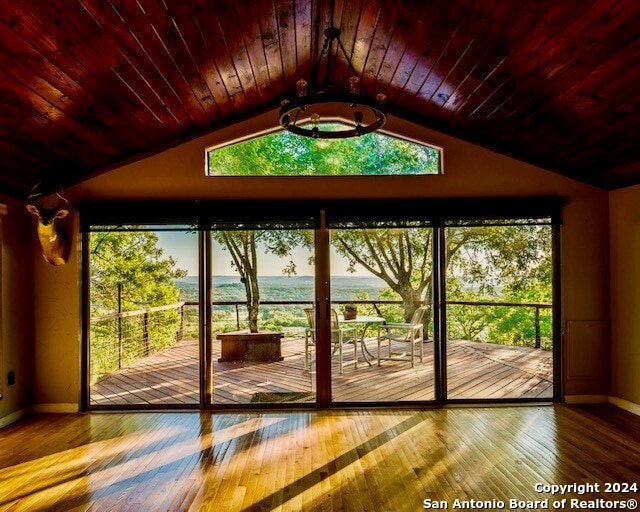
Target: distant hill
(229, 288)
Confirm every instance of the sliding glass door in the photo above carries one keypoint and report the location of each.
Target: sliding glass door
(499, 291)
(382, 314)
(143, 321)
(313, 307)
(263, 339)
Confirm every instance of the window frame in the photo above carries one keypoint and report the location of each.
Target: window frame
(268, 133)
(3, 211)
(324, 215)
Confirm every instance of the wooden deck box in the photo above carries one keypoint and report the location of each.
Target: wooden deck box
(250, 346)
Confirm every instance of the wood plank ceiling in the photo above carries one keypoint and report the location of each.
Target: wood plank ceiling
(87, 84)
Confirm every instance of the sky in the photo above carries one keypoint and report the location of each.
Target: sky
(183, 247)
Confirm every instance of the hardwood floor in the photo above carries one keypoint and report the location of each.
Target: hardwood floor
(377, 460)
(475, 370)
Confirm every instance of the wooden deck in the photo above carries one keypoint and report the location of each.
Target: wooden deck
(475, 370)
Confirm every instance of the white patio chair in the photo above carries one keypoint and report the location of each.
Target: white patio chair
(340, 336)
(411, 333)
(343, 335)
(309, 334)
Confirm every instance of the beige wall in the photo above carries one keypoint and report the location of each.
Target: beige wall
(17, 306)
(57, 329)
(178, 173)
(625, 294)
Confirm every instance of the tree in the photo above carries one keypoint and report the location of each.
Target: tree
(243, 248)
(284, 153)
(502, 259)
(132, 262)
(486, 259)
(508, 264)
(400, 257)
(129, 272)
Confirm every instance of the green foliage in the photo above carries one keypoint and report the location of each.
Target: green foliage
(107, 336)
(500, 264)
(502, 260)
(393, 313)
(285, 154)
(132, 261)
(510, 263)
(484, 263)
(131, 266)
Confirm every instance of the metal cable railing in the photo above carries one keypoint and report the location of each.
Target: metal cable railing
(118, 339)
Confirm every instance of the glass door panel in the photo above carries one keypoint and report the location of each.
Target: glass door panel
(143, 334)
(382, 311)
(499, 311)
(263, 341)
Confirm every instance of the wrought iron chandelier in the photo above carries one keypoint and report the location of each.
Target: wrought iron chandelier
(343, 114)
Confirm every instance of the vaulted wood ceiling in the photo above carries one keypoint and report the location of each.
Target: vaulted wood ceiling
(86, 84)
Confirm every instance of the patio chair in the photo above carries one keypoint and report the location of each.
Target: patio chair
(309, 334)
(343, 335)
(340, 336)
(411, 333)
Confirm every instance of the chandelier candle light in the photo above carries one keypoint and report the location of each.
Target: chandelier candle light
(318, 105)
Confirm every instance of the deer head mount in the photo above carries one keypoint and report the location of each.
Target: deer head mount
(54, 241)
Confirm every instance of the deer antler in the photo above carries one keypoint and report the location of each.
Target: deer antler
(35, 194)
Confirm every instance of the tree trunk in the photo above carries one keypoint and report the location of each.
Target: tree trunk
(253, 318)
(410, 300)
(242, 246)
(253, 302)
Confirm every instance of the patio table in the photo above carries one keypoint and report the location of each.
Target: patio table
(365, 321)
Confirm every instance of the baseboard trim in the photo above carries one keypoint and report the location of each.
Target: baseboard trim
(13, 417)
(586, 399)
(603, 399)
(74, 408)
(55, 408)
(625, 404)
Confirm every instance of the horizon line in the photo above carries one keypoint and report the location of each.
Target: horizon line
(282, 275)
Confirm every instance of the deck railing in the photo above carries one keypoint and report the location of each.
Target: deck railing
(537, 307)
(117, 339)
(376, 305)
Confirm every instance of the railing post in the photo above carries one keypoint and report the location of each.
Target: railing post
(537, 327)
(181, 331)
(237, 318)
(145, 333)
(119, 325)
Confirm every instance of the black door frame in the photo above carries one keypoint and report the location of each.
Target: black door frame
(209, 215)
